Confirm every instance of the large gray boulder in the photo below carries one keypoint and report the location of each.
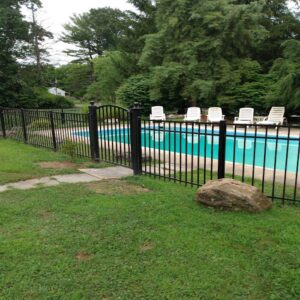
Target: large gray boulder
(229, 194)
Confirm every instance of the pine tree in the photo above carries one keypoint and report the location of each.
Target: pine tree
(37, 37)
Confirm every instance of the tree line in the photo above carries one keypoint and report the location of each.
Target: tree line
(24, 68)
(176, 53)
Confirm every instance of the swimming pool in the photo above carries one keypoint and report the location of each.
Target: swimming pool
(261, 151)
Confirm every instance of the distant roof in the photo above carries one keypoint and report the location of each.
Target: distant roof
(55, 88)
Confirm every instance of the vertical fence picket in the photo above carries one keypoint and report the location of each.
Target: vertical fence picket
(93, 126)
(24, 127)
(222, 149)
(2, 122)
(53, 131)
(136, 146)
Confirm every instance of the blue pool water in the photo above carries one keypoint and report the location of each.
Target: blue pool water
(239, 149)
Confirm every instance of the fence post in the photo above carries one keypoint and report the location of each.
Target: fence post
(63, 117)
(222, 149)
(24, 125)
(53, 130)
(2, 122)
(136, 143)
(93, 126)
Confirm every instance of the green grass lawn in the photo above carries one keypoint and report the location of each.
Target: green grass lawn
(19, 162)
(142, 238)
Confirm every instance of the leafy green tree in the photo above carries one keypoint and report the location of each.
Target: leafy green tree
(74, 78)
(166, 85)
(95, 32)
(15, 46)
(37, 37)
(111, 41)
(13, 35)
(282, 24)
(189, 52)
(136, 89)
(286, 76)
(141, 23)
(110, 71)
(196, 55)
(249, 88)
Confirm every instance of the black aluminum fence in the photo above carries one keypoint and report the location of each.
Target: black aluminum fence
(114, 135)
(189, 153)
(104, 133)
(180, 151)
(193, 153)
(47, 129)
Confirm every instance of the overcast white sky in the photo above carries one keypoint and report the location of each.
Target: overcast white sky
(55, 13)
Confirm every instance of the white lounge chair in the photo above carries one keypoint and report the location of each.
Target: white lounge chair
(275, 117)
(157, 113)
(215, 114)
(193, 114)
(246, 116)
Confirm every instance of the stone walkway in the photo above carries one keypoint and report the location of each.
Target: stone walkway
(87, 175)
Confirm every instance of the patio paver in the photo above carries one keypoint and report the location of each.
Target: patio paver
(108, 173)
(75, 178)
(87, 175)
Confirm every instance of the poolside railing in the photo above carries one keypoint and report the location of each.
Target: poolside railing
(191, 153)
(46, 129)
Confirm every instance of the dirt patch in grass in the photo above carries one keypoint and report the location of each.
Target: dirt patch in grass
(116, 187)
(266, 243)
(146, 247)
(46, 215)
(83, 256)
(58, 165)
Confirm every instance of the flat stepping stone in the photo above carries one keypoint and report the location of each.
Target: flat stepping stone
(31, 183)
(3, 188)
(75, 178)
(109, 173)
(88, 175)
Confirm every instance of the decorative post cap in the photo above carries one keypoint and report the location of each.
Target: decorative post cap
(136, 105)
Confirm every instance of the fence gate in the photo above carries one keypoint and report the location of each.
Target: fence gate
(111, 130)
